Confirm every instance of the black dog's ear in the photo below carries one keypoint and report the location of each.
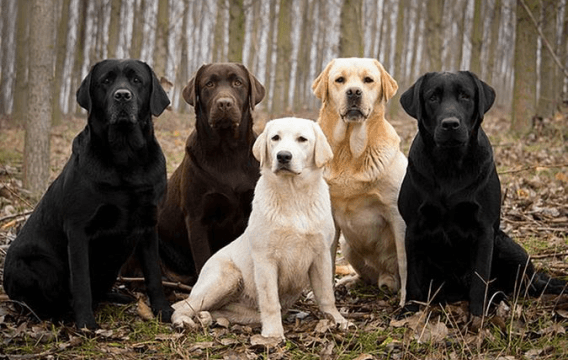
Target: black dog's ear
(190, 92)
(256, 92)
(158, 97)
(411, 101)
(485, 92)
(84, 91)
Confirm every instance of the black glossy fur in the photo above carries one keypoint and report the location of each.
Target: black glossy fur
(103, 205)
(450, 199)
(210, 194)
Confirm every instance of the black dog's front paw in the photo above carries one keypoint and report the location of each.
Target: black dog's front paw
(408, 310)
(87, 323)
(164, 313)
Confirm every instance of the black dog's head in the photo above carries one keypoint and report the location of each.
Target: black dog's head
(122, 92)
(449, 106)
(224, 91)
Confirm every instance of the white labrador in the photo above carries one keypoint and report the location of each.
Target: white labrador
(287, 243)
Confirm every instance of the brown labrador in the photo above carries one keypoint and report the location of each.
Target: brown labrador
(209, 195)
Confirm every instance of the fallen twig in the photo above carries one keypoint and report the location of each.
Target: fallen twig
(169, 284)
(10, 217)
(532, 167)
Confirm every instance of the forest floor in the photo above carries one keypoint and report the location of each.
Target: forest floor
(534, 180)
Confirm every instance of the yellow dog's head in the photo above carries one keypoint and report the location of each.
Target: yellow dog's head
(354, 86)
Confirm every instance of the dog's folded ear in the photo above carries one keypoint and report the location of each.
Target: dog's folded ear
(84, 91)
(322, 151)
(259, 149)
(256, 92)
(388, 84)
(486, 94)
(319, 86)
(158, 97)
(190, 92)
(410, 99)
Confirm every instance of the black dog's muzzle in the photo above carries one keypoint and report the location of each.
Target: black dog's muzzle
(123, 107)
(451, 132)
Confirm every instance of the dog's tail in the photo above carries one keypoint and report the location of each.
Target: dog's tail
(516, 273)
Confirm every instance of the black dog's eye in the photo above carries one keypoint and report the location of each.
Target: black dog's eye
(106, 81)
(302, 139)
(276, 138)
(368, 80)
(433, 98)
(340, 79)
(464, 96)
(136, 80)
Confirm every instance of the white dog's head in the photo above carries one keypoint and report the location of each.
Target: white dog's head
(288, 146)
(354, 86)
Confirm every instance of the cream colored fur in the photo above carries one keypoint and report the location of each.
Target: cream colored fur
(287, 243)
(366, 172)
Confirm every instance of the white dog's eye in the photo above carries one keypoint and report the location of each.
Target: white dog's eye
(275, 138)
(340, 79)
(368, 80)
(302, 139)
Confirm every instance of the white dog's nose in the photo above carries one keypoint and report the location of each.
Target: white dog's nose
(284, 157)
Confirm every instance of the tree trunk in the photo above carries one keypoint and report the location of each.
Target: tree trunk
(236, 30)
(137, 30)
(303, 85)
(79, 56)
(61, 50)
(495, 21)
(114, 28)
(269, 51)
(351, 29)
(38, 114)
(22, 52)
(524, 88)
(161, 49)
(218, 37)
(434, 29)
(547, 98)
(476, 39)
(7, 72)
(283, 54)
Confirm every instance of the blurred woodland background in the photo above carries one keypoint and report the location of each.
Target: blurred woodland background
(47, 46)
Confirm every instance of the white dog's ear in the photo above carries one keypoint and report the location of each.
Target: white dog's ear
(319, 86)
(259, 149)
(322, 150)
(389, 85)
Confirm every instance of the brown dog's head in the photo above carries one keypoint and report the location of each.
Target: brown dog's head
(224, 92)
(449, 106)
(354, 86)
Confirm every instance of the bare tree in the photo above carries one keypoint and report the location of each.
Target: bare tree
(524, 89)
(351, 29)
(435, 9)
(476, 38)
(161, 50)
(22, 55)
(236, 30)
(38, 114)
(61, 51)
(547, 95)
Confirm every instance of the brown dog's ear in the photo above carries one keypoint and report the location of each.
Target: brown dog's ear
(257, 92)
(320, 84)
(190, 92)
(322, 151)
(411, 100)
(389, 85)
(259, 149)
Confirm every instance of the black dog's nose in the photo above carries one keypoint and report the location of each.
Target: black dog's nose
(225, 104)
(284, 157)
(450, 123)
(354, 93)
(122, 95)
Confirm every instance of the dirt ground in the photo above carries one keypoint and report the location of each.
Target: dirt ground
(534, 180)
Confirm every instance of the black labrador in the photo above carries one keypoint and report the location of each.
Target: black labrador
(451, 200)
(210, 194)
(102, 207)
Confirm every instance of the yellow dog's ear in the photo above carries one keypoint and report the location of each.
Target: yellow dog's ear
(259, 149)
(319, 86)
(389, 85)
(322, 151)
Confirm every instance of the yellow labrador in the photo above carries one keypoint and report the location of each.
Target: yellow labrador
(287, 243)
(367, 169)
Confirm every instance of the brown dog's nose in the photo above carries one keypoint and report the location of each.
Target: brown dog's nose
(122, 95)
(225, 104)
(450, 123)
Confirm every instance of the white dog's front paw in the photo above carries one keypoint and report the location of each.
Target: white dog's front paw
(273, 331)
(182, 320)
(344, 324)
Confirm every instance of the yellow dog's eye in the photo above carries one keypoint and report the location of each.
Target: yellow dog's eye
(275, 138)
(368, 80)
(340, 79)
